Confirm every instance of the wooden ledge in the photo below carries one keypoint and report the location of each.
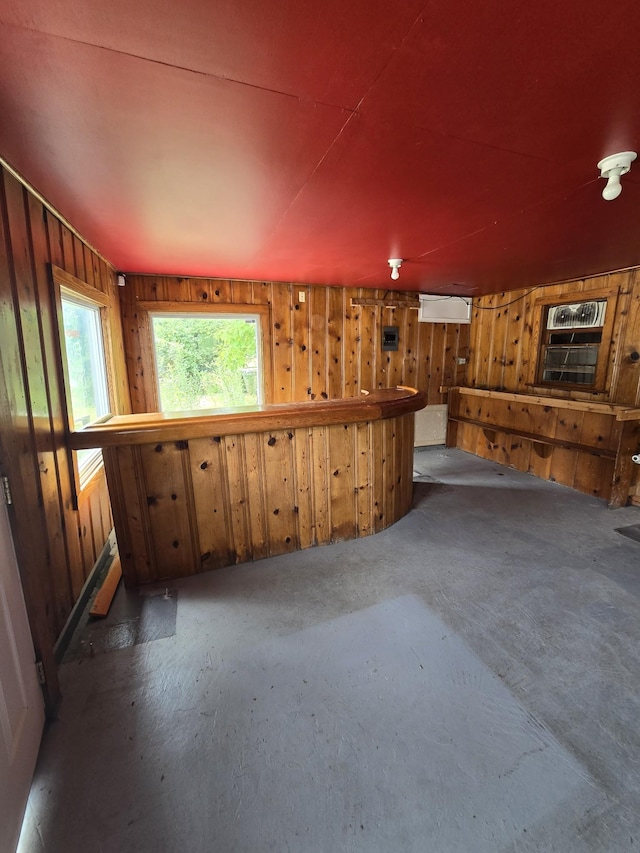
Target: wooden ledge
(552, 441)
(147, 428)
(621, 413)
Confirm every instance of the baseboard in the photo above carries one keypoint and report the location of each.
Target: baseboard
(62, 643)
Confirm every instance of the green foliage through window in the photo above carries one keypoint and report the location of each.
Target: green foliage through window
(206, 362)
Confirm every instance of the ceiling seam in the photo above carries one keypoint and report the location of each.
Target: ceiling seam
(504, 219)
(355, 111)
(184, 68)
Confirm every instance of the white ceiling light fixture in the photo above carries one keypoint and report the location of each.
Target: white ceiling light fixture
(395, 264)
(612, 168)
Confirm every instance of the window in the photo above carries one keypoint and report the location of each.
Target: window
(206, 361)
(85, 371)
(574, 340)
(571, 343)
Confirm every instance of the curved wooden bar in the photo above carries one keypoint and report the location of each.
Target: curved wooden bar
(202, 490)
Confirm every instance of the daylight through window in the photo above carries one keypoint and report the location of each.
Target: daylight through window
(86, 369)
(207, 362)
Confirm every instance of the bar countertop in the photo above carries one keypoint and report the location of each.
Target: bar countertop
(175, 426)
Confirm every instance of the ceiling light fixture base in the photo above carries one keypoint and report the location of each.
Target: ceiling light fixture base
(395, 264)
(612, 168)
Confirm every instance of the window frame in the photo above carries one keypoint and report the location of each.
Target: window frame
(262, 313)
(542, 305)
(64, 282)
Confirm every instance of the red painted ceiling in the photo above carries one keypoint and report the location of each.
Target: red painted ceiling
(276, 139)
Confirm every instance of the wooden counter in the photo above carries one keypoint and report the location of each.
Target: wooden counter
(582, 444)
(200, 490)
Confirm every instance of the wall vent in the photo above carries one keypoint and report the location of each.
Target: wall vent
(578, 315)
(444, 309)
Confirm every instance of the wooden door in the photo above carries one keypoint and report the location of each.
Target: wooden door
(21, 701)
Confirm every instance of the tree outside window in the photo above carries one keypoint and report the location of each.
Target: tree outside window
(206, 362)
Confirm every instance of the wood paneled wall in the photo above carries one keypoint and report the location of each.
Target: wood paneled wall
(321, 348)
(56, 545)
(503, 356)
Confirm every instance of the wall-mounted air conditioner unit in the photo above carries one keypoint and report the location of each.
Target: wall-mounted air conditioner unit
(578, 315)
(444, 309)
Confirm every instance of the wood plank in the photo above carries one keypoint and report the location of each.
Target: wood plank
(543, 421)
(169, 492)
(302, 451)
(89, 269)
(340, 442)
(282, 345)
(350, 348)
(334, 342)
(409, 347)
(279, 491)
(69, 262)
(388, 473)
(87, 543)
(368, 365)
(593, 475)
(254, 459)
(597, 430)
(238, 497)
(211, 502)
(498, 358)
(106, 593)
(320, 485)
(377, 470)
(519, 447)
(105, 508)
(364, 478)
(132, 330)
(301, 332)
(78, 253)
(621, 282)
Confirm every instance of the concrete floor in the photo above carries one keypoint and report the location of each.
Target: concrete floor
(468, 680)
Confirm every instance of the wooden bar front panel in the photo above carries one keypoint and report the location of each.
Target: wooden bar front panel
(583, 445)
(182, 507)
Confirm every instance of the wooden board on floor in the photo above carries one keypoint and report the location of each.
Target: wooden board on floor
(105, 595)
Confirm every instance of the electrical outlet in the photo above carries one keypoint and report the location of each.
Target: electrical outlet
(301, 296)
(461, 360)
